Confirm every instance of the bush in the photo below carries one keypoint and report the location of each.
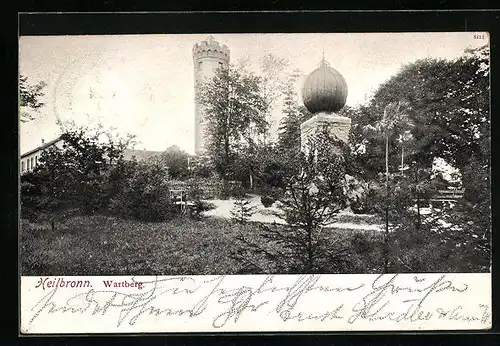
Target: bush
(144, 195)
(242, 210)
(267, 201)
(269, 196)
(200, 207)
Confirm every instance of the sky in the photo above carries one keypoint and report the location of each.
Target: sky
(144, 84)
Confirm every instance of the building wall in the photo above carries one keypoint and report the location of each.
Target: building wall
(338, 126)
(29, 162)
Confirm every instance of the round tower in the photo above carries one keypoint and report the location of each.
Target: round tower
(208, 56)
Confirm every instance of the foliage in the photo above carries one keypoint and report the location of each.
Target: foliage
(448, 103)
(276, 167)
(446, 106)
(293, 116)
(199, 209)
(267, 200)
(420, 249)
(201, 167)
(195, 195)
(81, 175)
(234, 109)
(144, 194)
(312, 199)
(30, 98)
(471, 217)
(242, 210)
(177, 162)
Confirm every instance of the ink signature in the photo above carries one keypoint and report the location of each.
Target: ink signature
(386, 297)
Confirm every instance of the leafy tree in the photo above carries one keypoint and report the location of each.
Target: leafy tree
(470, 220)
(177, 162)
(293, 116)
(273, 74)
(201, 167)
(48, 190)
(235, 111)
(144, 194)
(449, 102)
(394, 117)
(30, 98)
(81, 176)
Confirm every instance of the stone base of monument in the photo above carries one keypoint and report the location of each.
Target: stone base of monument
(337, 126)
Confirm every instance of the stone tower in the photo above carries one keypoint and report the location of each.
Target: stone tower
(208, 56)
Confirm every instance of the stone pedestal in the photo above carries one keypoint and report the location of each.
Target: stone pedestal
(338, 126)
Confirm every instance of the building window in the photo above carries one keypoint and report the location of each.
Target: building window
(32, 166)
(22, 166)
(36, 161)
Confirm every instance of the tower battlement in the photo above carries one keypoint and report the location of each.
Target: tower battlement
(211, 49)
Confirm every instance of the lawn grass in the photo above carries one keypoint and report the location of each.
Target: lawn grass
(106, 245)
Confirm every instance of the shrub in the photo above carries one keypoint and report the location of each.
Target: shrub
(267, 201)
(242, 210)
(144, 195)
(199, 208)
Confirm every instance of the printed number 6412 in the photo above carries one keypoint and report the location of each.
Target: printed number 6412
(479, 36)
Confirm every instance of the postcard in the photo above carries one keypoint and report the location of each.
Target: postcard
(255, 182)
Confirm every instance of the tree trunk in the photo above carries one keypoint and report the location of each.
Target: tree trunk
(418, 214)
(309, 250)
(225, 179)
(386, 238)
(402, 158)
(418, 203)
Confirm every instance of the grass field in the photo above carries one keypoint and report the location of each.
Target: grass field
(104, 245)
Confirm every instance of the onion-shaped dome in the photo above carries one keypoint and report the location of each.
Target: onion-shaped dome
(324, 90)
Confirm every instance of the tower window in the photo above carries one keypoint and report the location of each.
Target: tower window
(221, 65)
(199, 64)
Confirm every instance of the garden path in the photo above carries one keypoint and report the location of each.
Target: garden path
(268, 215)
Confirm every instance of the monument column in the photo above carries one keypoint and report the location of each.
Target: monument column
(324, 93)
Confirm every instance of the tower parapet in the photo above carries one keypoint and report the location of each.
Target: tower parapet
(210, 48)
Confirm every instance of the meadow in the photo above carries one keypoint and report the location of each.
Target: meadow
(108, 245)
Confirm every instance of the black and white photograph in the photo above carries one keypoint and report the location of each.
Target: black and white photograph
(223, 154)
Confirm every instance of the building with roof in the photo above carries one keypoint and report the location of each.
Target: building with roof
(30, 159)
